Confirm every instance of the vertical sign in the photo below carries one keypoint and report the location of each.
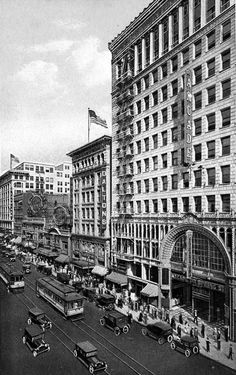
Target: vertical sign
(189, 238)
(104, 201)
(188, 117)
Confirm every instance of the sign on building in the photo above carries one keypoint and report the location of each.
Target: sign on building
(188, 117)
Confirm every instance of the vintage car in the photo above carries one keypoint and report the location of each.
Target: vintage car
(26, 267)
(116, 321)
(34, 339)
(63, 277)
(87, 354)
(160, 331)
(186, 344)
(106, 301)
(90, 294)
(37, 316)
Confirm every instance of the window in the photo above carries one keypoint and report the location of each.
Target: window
(138, 125)
(225, 173)
(146, 186)
(185, 55)
(155, 141)
(146, 144)
(174, 158)
(198, 126)
(211, 176)
(211, 149)
(186, 180)
(155, 184)
(155, 75)
(198, 74)
(155, 162)
(226, 88)
(185, 19)
(164, 138)
(165, 35)
(226, 30)
(138, 107)
(155, 205)
(225, 201)
(138, 164)
(198, 152)
(198, 204)
(211, 40)
(211, 120)
(164, 93)
(198, 178)
(146, 165)
(174, 181)
(146, 205)
(225, 144)
(164, 70)
(211, 67)
(164, 115)
(155, 119)
(164, 160)
(174, 134)
(146, 81)
(225, 57)
(146, 102)
(185, 201)
(226, 115)
(198, 100)
(210, 10)
(138, 87)
(174, 109)
(174, 63)
(197, 14)
(174, 202)
(211, 94)
(138, 203)
(164, 205)
(138, 145)
(211, 203)
(164, 183)
(174, 86)
(155, 97)
(224, 4)
(198, 48)
(146, 123)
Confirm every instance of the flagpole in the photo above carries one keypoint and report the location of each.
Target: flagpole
(10, 162)
(88, 125)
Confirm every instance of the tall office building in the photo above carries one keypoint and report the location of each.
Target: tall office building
(174, 143)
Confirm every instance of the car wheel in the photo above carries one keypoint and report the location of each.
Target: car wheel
(117, 331)
(75, 353)
(91, 369)
(144, 331)
(34, 353)
(23, 339)
(169, 338)
(161, 340)
(102, 322)
(187, 353)
(172, 345)
(125, 329)
(195, 350)
(29, 321)
(110, 307)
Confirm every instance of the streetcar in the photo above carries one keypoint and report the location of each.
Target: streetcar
(63, 297)
(13, 278)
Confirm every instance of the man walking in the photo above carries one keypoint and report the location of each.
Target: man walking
(230, 356)
(203, 330)
(195, 318)
(207, 344)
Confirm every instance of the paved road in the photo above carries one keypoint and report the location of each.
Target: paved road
(145, 356)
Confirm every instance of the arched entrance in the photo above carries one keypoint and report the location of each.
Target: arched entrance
(197, 261)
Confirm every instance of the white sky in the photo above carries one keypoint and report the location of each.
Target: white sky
(54, 64)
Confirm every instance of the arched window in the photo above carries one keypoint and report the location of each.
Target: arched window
(222, 234)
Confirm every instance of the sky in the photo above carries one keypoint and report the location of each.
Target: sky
(54, 65)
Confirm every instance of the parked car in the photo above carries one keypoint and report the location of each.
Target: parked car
(26, 268)
(63, 277)
(37, 316)
(78, 285)
(87, 354)
(186, 344)
(116, 321)
(34, 339)
(90, 294)
(160, 331)
(106, 301)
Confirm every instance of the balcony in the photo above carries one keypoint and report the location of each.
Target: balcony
(125, 78)
(125, 96)
(126, 115)
(129, 154)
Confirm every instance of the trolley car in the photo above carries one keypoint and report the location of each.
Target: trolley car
(63, 297)
(13, 278)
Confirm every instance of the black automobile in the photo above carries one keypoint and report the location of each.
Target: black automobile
(90, 294)
(106, 301)
(115, 321)
(34, 339)
(37, 316)
(186, 344)
(87, 354)
(26, 268)
(63, 277)
(160, 331)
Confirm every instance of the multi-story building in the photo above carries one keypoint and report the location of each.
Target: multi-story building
(173, 149)
(90, 193)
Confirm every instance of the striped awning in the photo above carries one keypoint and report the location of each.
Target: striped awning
(117, 278)
(150, 290)
(62, 259)
(99, 270)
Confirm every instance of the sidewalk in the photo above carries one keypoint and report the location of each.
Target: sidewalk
(220, 356)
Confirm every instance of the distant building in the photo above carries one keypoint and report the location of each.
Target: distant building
(91, 203)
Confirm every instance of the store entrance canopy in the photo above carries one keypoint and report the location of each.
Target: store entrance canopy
(117, 278)
(150, 290)
(99, 270)
(62, 259)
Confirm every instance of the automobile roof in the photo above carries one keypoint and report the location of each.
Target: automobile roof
(190, 339)
(116, 314)
(86, 346)
(106, 296)
(34, 330)
(161, 325)
(36, 311)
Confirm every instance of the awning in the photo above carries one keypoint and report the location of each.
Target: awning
(47, 253)
(117, 278)
(99, 270)
(150, 290)
(18, 240)
(29, 244)
(62, 259)
(82, 264)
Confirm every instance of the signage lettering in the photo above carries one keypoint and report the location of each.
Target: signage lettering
(188, 117)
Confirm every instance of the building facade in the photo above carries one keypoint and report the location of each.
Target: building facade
(91, 191)
(173, 148)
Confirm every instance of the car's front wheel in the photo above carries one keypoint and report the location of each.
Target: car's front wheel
(195, 350)
(91, 369)
(29, 321)
(111, 306)
(172, 345)
(102, 322)
(117, 331)
(23, 339)
(75, 353)
(169, 338)
(34, 353)
(125, 329)
(187, 353)
(144, 331)
(161, 340)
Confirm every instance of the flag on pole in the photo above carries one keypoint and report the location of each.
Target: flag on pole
(96, 119)
(14, 158)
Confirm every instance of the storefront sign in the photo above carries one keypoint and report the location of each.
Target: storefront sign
(199, 282)
(188, 117)
(104, 201)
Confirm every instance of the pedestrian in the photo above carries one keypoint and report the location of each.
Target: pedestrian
(207, 344)
(167, 318)
(145, 317)
(195, 332)
(218, 334)
(226, 333)
(191, 331)
(186, 326)
(130, 317)
(179, 330)
(230, 356)
(172, 322)
(203, 330)
(140, 318)
(215, 333)
(180, 318)
(195, 317)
